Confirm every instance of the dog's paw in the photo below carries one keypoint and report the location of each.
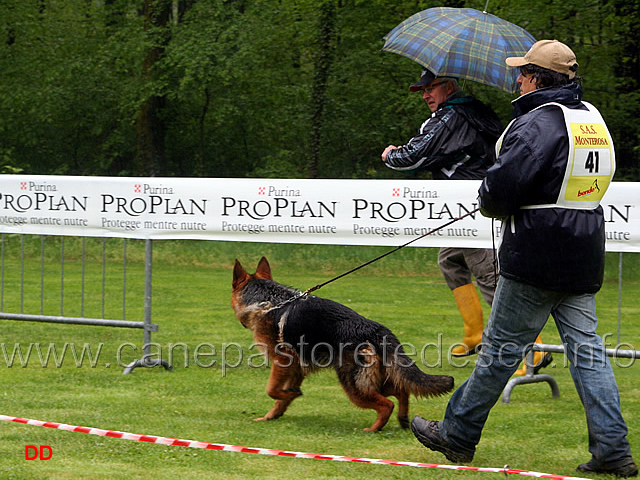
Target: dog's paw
(297, 391)
(269, 416)
(404, 422)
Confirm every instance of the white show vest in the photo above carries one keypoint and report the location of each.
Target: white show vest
(591, 162)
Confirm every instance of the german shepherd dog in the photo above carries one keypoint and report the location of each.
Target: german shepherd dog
(302, 333)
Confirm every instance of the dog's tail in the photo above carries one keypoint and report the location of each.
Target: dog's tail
(406, 375)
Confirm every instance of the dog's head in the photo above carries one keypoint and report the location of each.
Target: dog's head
(240, 280)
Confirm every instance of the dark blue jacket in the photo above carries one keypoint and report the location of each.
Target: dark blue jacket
(552, 248)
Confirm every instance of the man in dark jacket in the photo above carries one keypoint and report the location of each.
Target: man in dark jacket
(555, 162)
(457, 142)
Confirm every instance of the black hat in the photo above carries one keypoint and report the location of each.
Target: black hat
(425, 78)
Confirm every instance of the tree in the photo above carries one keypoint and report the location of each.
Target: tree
(150, 153)
(323, 58)
(625, 23)
(266, 88)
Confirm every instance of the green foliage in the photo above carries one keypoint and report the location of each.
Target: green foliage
(62, 65)
(258, 87)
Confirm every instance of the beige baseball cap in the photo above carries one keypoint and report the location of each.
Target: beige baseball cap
(550, 54)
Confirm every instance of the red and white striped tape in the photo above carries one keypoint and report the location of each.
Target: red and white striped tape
(268, 451)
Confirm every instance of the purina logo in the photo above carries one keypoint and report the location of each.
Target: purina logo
(149, 189)
(407, 192)
(272, 191)
(38, 186)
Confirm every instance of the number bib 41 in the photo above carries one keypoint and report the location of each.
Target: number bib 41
(591, 159)
(591, 163)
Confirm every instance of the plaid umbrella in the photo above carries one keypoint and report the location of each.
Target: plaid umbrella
(463, 43)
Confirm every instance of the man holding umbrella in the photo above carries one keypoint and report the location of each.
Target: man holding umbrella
(555, 162)
(457, 142)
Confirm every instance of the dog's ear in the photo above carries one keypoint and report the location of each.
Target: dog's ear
(240, 275)
(264, 270)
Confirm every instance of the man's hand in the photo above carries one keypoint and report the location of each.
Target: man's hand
(386, 151)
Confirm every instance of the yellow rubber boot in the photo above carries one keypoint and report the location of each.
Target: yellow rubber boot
(471, 310)
(540, 360)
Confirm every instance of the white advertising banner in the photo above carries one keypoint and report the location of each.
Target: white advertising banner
(342, 212)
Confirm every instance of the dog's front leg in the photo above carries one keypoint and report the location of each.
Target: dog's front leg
(283, 386)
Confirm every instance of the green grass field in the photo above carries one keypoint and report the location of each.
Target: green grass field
(214, 392)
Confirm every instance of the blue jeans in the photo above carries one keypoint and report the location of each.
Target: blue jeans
(518, 314)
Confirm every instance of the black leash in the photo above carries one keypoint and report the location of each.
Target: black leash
(319, 286)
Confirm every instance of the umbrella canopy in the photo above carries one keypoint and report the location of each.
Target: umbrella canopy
(463, 43)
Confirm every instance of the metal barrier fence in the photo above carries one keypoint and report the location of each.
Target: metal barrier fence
(146, 325)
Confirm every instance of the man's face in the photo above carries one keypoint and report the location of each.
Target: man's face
(436, 92)
(527, 83)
